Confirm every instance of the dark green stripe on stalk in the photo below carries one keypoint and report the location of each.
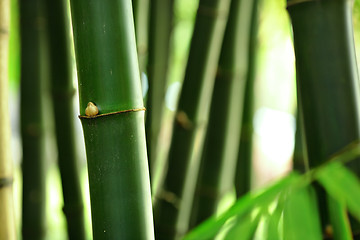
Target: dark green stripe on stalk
(62, 90)
(243, 168)
(32, 26)
(160, 26)
(174, 199)
(218, 162)
(327, 79)
(108, 75)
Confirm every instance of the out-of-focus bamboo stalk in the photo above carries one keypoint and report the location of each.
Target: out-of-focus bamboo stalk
(219, 159)
(327, 81)
(243, 168)
(7, 221)
(62, 90)
(174, 198)
(160, 26)
(32, 27)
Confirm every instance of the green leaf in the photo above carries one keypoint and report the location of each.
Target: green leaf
(301, 219)
(341, 183)
(244, 228)
(339, 219)
(274, 220)
(211, 227)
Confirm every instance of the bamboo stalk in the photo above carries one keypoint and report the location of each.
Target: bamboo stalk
(243, 167)
(299, 160)
(160, 26)
(141, 17)
(62, 96)
(174, 198)
(32, 26)
(219, 159)
(111, 112)
(327, 79)
(7, 217)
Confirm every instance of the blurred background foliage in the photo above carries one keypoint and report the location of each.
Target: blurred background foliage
(275, 105)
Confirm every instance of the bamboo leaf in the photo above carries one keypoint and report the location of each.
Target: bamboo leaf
(210, 227)
(339, 219)
(273, 225)
(301, 219)
(244, 228)
(340, 182)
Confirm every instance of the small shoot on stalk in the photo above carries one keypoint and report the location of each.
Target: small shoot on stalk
(91, 110)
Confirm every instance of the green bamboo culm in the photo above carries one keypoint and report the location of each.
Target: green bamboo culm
(141, 17)
(243, 167)
(7, 216)
(160, 26)
(174, 198)
(219, 159)
(327, 80)
(299, 161)
(33, 73)
(62, 91)
(112, 115)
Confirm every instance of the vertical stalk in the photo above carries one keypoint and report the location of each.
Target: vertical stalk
(299, 160)
(174, 200)
(161, 15)
(327, 79)
(141, 17)
(218, 162)
(32, 26)
(62, 95)
(112, 115)
(7, 226)
(243, 167)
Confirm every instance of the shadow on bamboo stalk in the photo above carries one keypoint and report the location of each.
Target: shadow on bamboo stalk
(327, 81)
(174, 199)
(32, 29)
(112, 115)
(219, 159)
(62, 96)
(7, 216)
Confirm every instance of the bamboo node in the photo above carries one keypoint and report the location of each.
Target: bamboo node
(169, 197)
(112, 113)
(183, 120)
(212, 12)
(6, 181)
(91, 110)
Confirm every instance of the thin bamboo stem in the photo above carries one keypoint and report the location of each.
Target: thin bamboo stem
(174, 198)
(7, 217)
(141, 17)
(160, 26)
(243, 171)
(62, 95)
(109, 88)
(219, 159)
(32, 26)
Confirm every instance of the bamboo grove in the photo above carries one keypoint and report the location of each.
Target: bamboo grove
(142, 188)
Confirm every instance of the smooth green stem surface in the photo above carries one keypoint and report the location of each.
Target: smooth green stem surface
(174, 199)
(219, 159)
(327, 79)
(108, 74)
(243, 167)
(32, 27)
(62, 90)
